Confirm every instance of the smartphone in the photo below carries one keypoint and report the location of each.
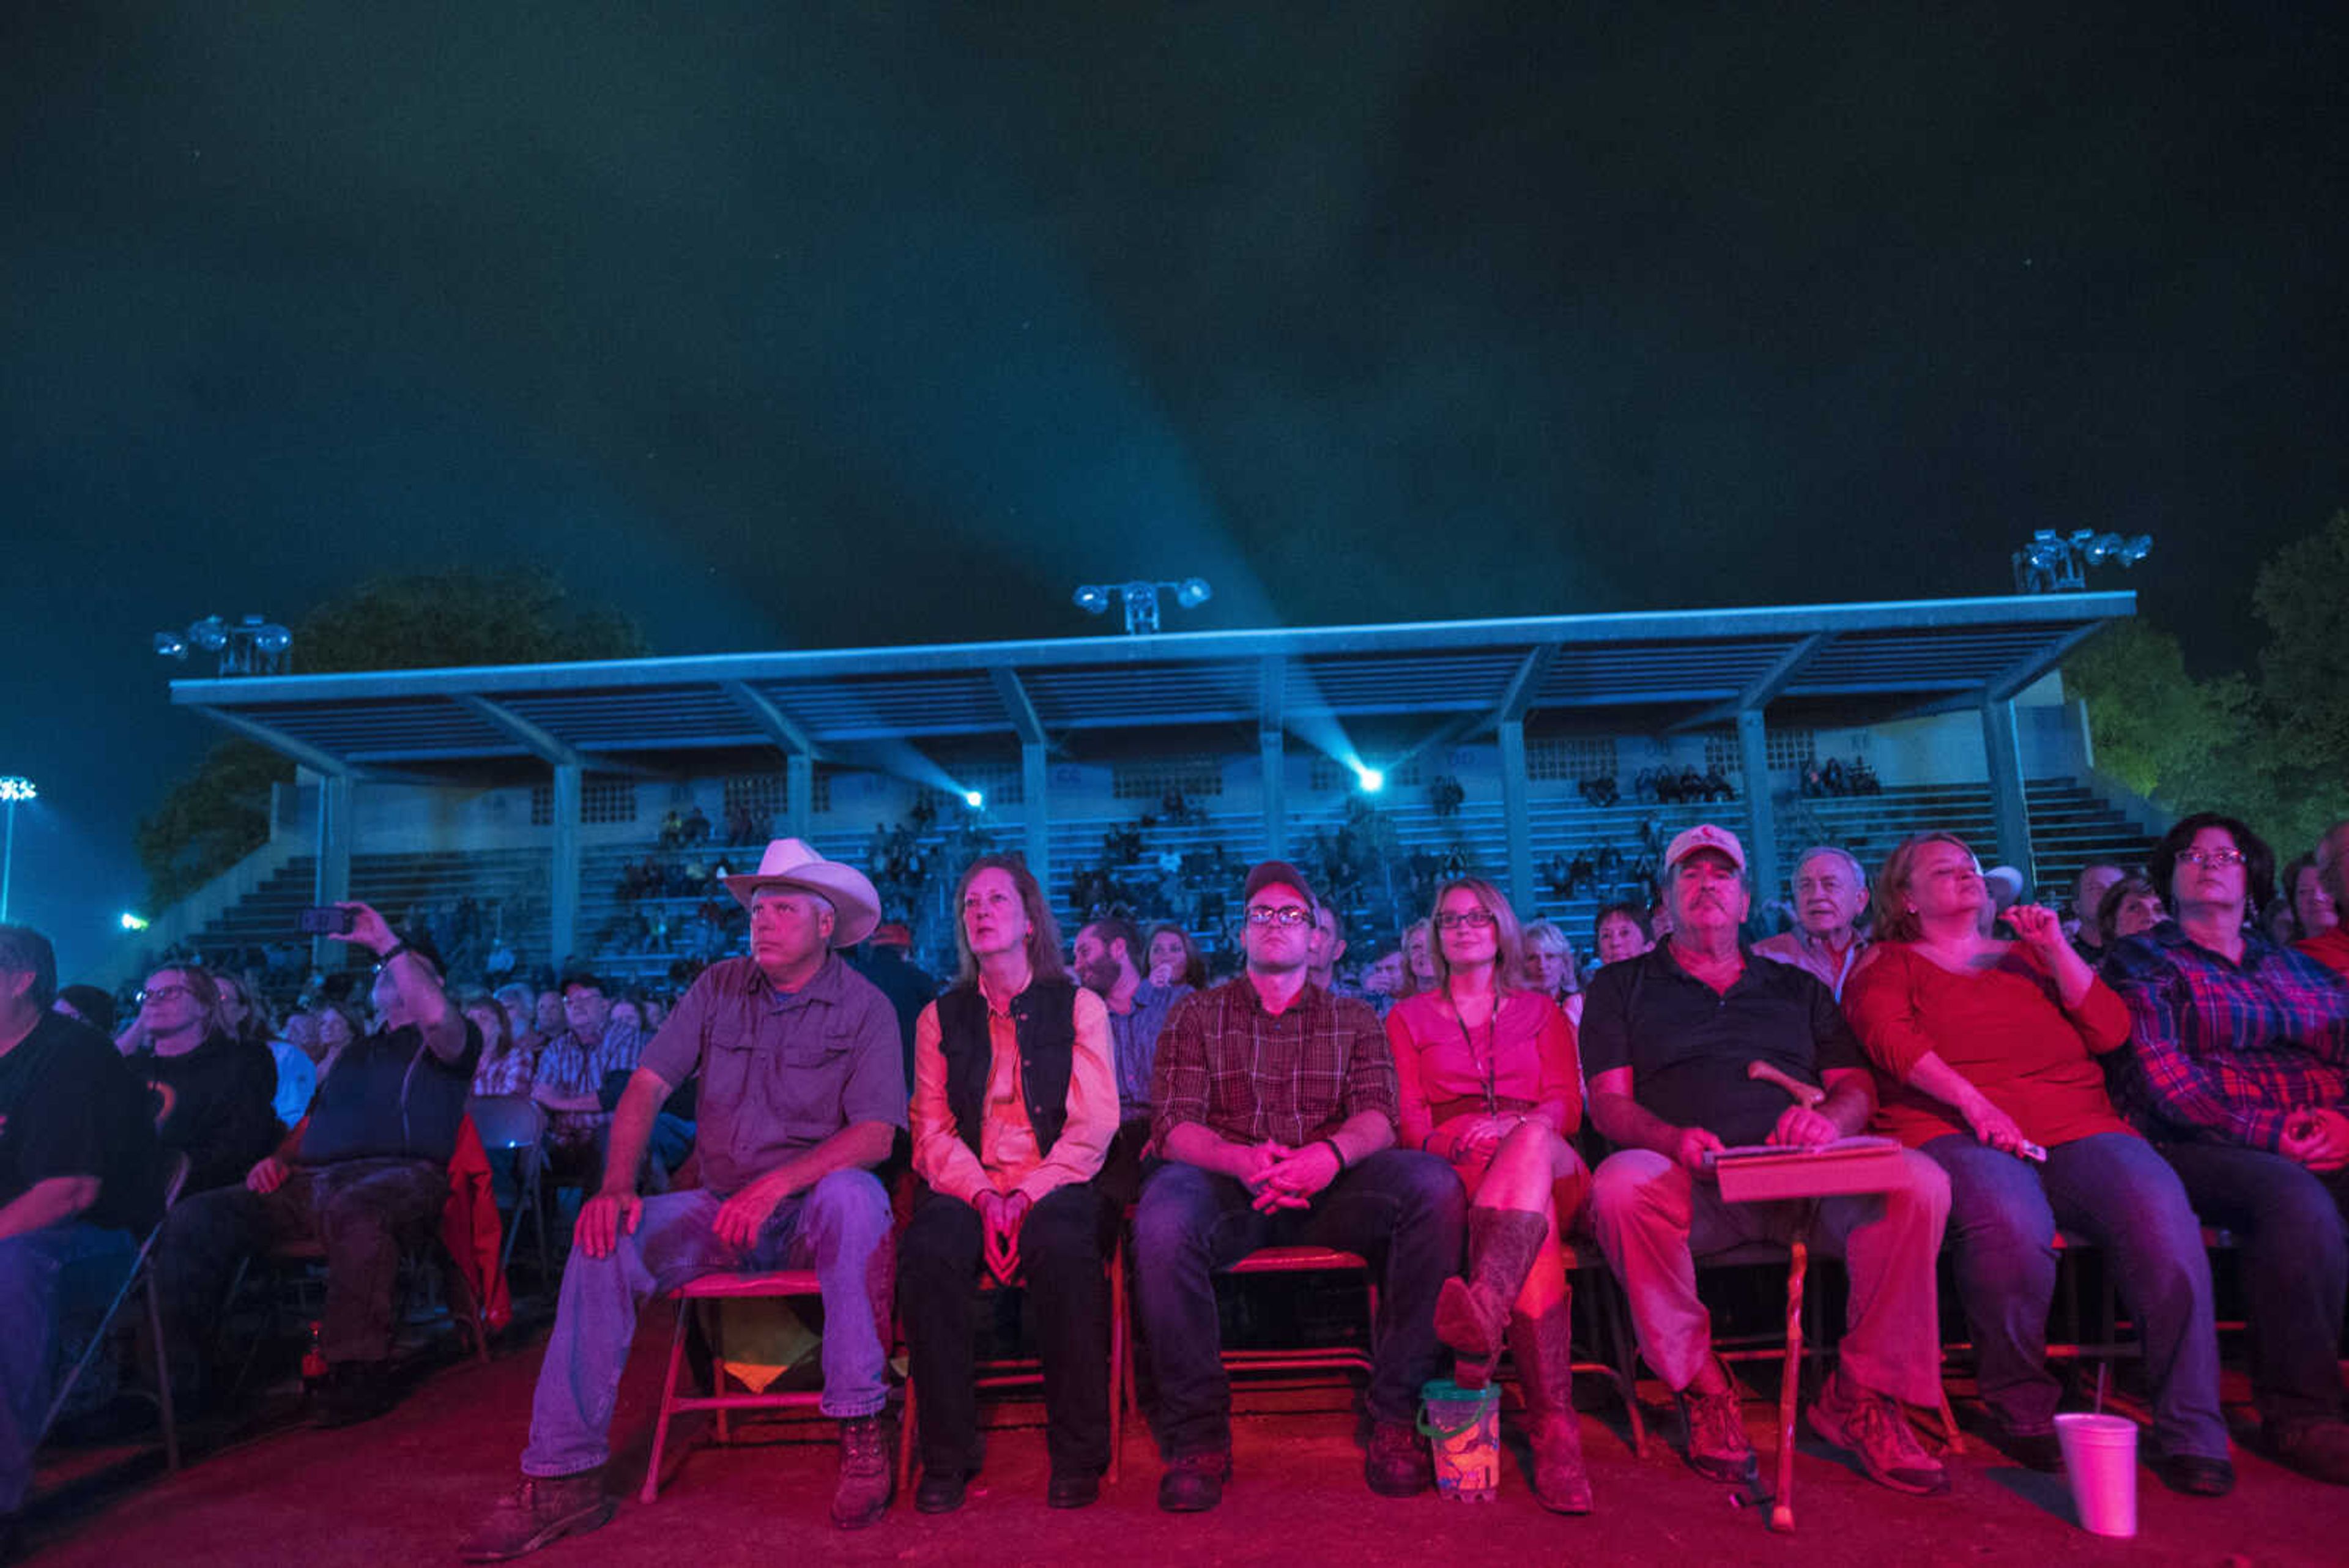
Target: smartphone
(325, 920)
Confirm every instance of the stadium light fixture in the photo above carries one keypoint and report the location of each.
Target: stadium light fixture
(254, 646)
(1141, 600)
(2052, 563)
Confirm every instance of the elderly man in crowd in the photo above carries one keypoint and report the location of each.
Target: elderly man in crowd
(2237, 1070)
(79, 1174)
(1275, 1109)
(1830, 891)
(368, 1166)
(1667, 1038)
(803, 1091)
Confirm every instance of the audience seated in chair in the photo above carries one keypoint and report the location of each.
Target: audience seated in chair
(1488, 1080)
(802, 1092)
(1015, 1105)
(369, 1166)
(1988, 1055)
(1274, 1109)
(2239, 1072)
(80, 1179)
(212, 1089)
(1667, 1038)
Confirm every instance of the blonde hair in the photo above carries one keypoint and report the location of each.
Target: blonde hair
(1509, 941)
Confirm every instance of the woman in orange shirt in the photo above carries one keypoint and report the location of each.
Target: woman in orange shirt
(1986, 1054)
(1485, 1068)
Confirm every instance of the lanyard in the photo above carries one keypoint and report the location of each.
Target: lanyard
(1490, 1066)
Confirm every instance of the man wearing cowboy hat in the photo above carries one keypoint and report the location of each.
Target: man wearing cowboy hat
(801, 1090)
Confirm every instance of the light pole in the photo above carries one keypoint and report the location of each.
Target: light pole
(11, 790)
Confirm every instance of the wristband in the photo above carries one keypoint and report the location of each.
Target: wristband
(395, 950)
(1339, 1154)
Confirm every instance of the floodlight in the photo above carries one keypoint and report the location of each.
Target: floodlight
(1193, 593)
(1372, 780)
(974, 798)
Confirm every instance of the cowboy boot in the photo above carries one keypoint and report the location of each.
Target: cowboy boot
(1542, 1349)
(1472, 1312)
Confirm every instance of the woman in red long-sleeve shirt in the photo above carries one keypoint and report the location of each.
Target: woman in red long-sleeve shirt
(1986, 1051)
(1487, 1072)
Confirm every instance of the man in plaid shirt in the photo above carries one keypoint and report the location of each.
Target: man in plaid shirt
(1274, 1113)
(2238, 1071)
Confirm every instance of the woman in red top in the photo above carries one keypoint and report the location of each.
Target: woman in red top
(1487, 1078)
(1985, 1050)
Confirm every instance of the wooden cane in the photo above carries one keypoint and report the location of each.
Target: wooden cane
(1781, 1505)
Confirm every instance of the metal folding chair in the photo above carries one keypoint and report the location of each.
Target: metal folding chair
(142, 1276)
(516, 1124)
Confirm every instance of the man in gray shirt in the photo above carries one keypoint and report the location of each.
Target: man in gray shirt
(801, 1090)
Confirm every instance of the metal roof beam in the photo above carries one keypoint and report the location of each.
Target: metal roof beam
(2004, 686)
(286, 746)
(1519, 697)
(1016, 704)
(1271, 694)
(779, 726)
(538, 742)
(1764, 688)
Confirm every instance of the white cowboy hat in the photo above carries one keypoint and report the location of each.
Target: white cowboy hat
(788, 863)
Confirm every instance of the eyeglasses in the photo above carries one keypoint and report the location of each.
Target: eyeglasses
(163, 992)
(2211, 857)
(1475, 920)
(1285, 915)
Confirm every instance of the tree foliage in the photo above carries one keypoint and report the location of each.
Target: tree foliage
(218, 812)
(2275, 754)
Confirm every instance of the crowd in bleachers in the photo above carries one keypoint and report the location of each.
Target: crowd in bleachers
(2174, 1054)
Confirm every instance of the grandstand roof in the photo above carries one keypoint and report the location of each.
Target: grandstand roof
(1638, 670)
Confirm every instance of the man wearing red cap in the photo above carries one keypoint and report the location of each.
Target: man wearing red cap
(1667, 1041)
(1274, 1105)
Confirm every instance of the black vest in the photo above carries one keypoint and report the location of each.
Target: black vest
(1044, 1018)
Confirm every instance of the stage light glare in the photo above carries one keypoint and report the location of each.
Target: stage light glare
(1193, 593)
(974, 798)
(15, 789)
(210, 634)
(1094, 599)
(1372, 780)
(171, 644)
(131, 922)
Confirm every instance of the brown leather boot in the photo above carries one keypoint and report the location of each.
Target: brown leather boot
(1472, 1312)
(1543, 1348)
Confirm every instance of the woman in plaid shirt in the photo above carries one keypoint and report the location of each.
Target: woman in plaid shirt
(2239, 1070)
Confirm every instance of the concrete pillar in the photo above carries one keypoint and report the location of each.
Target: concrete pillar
(1760, 812)
(331, 878)
(2011, 808)
(1033, 781)
(563, 863)
(799, 792)
(1275, 762)
(1514, 821)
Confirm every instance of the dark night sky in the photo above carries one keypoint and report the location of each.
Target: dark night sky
(787, 324)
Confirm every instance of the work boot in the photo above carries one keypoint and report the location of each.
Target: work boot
(868, 1473)
(1472, 1312)
(352, 1392)
(2317, 1445)
(1398, 1463)
(541, 1511)
(1718, 1449)
(1543, 1348)
(1194, 1482)
(1876, 1429)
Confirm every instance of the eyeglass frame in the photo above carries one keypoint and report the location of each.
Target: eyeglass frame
(2213, 856)
(1289, 916)
(162, 992)
(1479, 919)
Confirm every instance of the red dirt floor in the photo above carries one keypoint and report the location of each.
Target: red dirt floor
(407, 1487)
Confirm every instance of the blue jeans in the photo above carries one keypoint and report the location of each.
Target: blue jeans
(2116, 1190)
(1404, 1211)
(839, 1227)
(2295, 1267)
(44, 1274)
